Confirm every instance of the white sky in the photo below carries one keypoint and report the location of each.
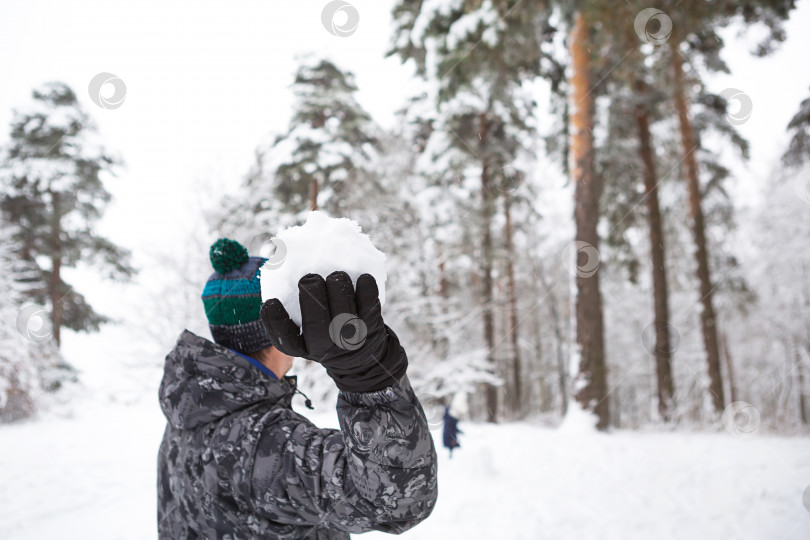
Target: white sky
(208, 80)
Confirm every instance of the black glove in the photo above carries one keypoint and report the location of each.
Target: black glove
(342, 330)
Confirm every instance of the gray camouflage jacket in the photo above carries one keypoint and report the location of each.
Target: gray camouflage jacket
(236, 462)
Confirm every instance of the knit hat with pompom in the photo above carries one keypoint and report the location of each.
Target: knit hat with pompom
(232, 298)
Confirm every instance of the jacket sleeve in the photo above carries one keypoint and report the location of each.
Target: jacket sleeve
(378, 472)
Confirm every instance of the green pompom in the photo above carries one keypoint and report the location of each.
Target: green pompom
(227, 255)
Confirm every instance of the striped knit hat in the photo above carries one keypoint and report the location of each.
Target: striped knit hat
(232, 298)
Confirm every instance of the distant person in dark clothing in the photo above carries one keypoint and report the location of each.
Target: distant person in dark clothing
(451, 431)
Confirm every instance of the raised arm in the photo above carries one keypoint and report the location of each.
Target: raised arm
(378, 472)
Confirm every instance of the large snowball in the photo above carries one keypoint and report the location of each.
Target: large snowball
(321, 246)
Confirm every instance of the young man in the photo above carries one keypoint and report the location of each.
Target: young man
(236, 462)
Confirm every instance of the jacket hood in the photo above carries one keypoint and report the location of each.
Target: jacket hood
(203, 381)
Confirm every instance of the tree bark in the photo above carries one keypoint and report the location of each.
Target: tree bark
(55, 282)
(732, 381)
(487, 211)
(442, 279)
(708, 320)
(590, 384)
(562, 372)
(663, 350)
(803, 412)
(313, 194)
(511, 294)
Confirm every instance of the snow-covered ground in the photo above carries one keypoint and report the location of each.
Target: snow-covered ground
(92, 476)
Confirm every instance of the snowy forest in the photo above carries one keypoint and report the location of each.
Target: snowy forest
(595, 217)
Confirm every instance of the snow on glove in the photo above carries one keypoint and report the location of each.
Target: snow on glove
(341, 329)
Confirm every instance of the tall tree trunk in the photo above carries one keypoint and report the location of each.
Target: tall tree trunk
(55, 282)
(313, 194)
(803, 412)
(732, 380)
(442, 278)
(487, 211)
(537, 368)
(663, 351)
(590, 385)
(708, 320)
(562, 372)
(511, 294)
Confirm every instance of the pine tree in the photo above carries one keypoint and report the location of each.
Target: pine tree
(694, 33)
(401, 208)
(29, 362)
(795, 324)
(52, 180)
(798, 151)
(477, 50)
(641, 76)
(590, 381)
(423, 225)
(627, 157)
(781, 326)
(328, 145)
